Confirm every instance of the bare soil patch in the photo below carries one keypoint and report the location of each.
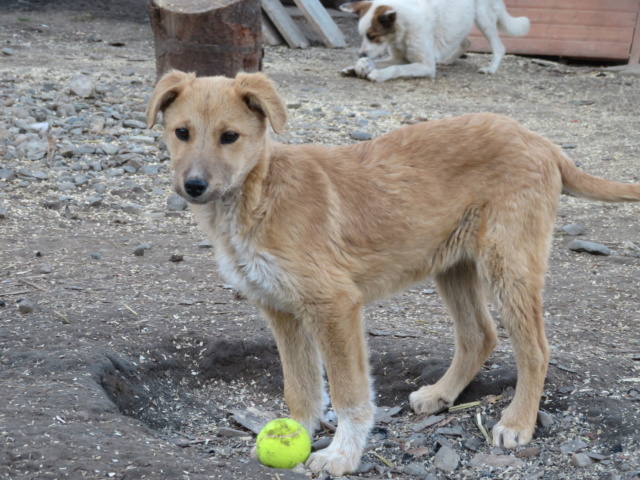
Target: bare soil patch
(127, 366)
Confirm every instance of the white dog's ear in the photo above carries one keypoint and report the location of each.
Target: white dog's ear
(387, 18)
(360, 8)
(259, 93)
(166, 91)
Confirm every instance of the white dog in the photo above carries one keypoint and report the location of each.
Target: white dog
(417, 34)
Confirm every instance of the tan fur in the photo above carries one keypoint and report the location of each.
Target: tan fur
(312, 233)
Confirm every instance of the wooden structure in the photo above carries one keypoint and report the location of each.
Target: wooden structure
(207, 37)
(279, 23)
(593, 29)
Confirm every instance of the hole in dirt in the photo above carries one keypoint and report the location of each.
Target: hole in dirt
(189, 380)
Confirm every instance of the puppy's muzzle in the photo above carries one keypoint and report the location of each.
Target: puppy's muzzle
(195, 187)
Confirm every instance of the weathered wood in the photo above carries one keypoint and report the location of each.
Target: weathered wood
(322, 23)
(597, 29)
(270, 34)
(285, 25)
(220, 37)
(634, 56)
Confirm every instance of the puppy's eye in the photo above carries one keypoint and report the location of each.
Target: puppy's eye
(229, 137)
(182, 134)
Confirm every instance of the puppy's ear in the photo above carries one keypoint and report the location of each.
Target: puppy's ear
(387, 18)
(166, 91)
(259, 93)
(360, 8)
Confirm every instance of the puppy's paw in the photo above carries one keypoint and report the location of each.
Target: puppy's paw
(364, 67)
(429, 400)
(505, 436)
(349, 72)
(487, 70)
(335, 461)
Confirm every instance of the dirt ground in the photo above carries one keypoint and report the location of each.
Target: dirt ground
(129, 366)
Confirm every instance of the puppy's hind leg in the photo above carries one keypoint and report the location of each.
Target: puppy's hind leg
(302, 368)
(517, 290)
(475, 337)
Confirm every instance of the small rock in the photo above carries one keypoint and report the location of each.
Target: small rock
(7, 175)
(205, 244)
(588, 247)
(231, 432)
(26, 306)
(139, 250)
(572, 446)
(361, 136)
(528, 452)
(427, 422)
(3, 212)
(630, 249)
(568, 145)
(83, 86)
(379, 113)
(414, 469)
(176, 203)
(96, 255)
(321, 443)
(581, 460)
(574, 229)
(175, 258)
(45, 269)
(8, 51)
(545, 419)
(496, 461)
(473, 444)
(446, 460)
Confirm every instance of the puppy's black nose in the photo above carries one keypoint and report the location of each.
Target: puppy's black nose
(363, 55)
(195, 188)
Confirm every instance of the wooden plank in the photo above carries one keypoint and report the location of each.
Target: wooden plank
(575, 33)
(630, 6)
(634, 56)
(539, 46)
(322, 23)
(576, 17)
(284, 24)
(270, 34)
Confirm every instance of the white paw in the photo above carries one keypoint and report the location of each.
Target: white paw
(364, 67)
(511, 437)
(333, 460)
(428, 400)
(487, 70)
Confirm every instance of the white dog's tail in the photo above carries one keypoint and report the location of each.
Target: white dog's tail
(512, 26)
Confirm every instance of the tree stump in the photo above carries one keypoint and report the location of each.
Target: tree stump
(208, 37)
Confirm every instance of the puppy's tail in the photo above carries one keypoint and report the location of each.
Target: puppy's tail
(584, 185)
(512, 26)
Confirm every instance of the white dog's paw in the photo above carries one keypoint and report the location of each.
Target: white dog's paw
(364, 67)
(429, 400)
(487, 70)
(511, 437)
(349, 72)
(335, 461)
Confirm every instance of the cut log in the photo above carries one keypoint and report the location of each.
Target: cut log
(208, 37)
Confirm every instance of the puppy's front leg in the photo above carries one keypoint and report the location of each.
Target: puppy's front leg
(301, 366)
(339, 331)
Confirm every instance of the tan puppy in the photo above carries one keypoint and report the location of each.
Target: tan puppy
(312, 233)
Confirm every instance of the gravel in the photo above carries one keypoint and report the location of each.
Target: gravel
(118, 333)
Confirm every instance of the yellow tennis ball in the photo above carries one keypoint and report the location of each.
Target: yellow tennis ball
(283, 443)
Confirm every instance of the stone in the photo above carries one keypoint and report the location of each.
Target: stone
(630, 249)
(573, 446)
(588, 247)
(82, 86)
(414, 469)
(446, 460)
(581, 460)
(361, 136)
(205, 244)
(574, 229)
(8, 51)
(176, 203)
(496, 461)
(7, 174)
(545, 419)
(26, 306)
